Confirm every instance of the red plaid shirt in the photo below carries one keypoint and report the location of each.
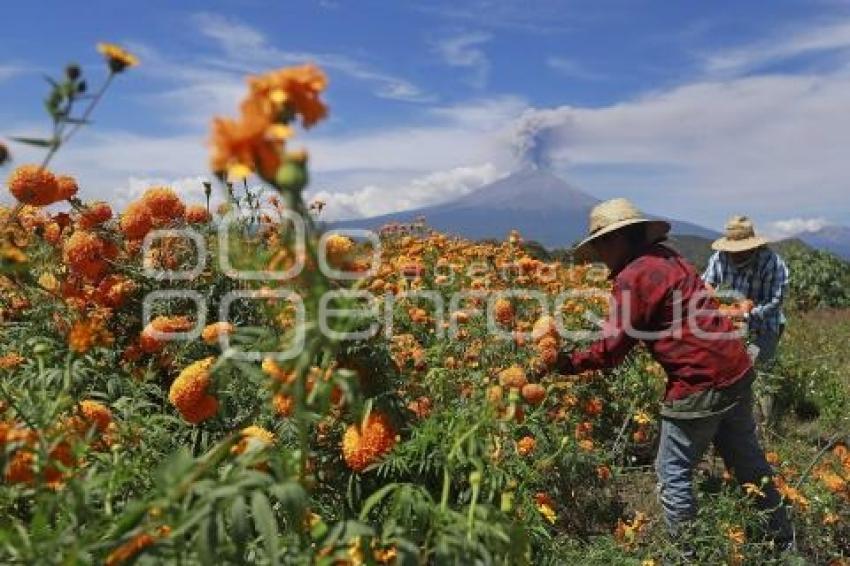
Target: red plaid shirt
(656, 292)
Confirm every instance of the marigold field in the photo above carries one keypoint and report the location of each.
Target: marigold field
(144, 416)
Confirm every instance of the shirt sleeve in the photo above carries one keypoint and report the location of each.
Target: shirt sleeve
(775, 279)
(632, 307)
(713, 273)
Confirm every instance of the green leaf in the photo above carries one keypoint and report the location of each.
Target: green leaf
(207, 540)
(265, 523)
(190, 522)
(293, 498)
(40, 142)
(132, 516)
(376, 498)
(240, 528)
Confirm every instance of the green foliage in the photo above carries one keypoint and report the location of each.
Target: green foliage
(818, 279)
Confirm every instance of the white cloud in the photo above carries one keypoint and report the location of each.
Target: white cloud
(464, 51)
(787, 228)
(763, 145)
(434, 188)
(8, 71)
(248, 50)
(454, 136)
(792, 43)
(573, 69)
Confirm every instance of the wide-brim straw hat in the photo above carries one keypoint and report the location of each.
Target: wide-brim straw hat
(740, 236)
(613, 215)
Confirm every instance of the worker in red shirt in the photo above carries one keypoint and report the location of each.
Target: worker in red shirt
(660, 300)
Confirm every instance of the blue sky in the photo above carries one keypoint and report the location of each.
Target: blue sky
(693, 109)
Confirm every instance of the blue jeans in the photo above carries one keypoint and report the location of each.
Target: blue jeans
(682, 446)
(767, 341)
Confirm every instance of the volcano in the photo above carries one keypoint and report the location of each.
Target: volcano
(538, 203)
(835, 239)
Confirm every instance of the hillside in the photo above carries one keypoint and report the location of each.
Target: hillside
(835, 239)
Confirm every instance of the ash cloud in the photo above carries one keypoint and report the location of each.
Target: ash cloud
(537, 135)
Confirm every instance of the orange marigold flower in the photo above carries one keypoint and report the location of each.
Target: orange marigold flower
(294, 88)
(88, 255)
(603, 472)
(151, 342)
(88, 333)
(33, 185)
(583, 430)
(253, 433)
(11, 360)
(460, 317)
(547, 350)
(513, 376)
(503, 311)
(66, 187)
(338, 249)
(136, 221)
(19, 469)
(283, 404)
(593, 407)
(271, 368)
(421, 407)
(52, 233)
(831, 480)
(736, 535)
(212, 332)
(117, 57)
(96, 414)
(361, 446)
(241, 147)
(113, 290)
(526, 445)
(197, 214)
(790, 493)
(534, 393)
(94, 214)
(643, 418)
(189, 394)
(163, 204)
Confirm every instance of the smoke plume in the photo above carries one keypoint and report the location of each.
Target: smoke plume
(538, 134)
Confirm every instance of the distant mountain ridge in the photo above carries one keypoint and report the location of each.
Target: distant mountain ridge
(835, 239)
(538, 203)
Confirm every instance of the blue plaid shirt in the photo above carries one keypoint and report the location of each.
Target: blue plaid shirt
(764, 281)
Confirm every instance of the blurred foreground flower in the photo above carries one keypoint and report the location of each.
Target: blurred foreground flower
(117, 57)
(255, 142)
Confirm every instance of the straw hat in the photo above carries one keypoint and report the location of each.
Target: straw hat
(740, 236)
(615, 214)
